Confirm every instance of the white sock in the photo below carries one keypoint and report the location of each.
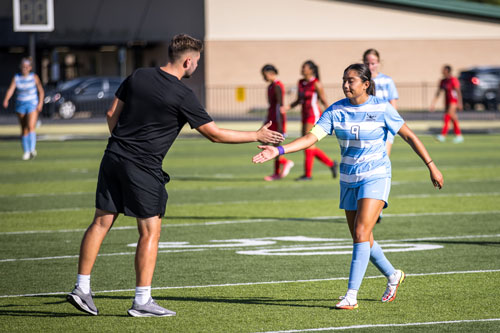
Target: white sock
(352, 294)
(142, 295)
(83, 281)
(394, 278)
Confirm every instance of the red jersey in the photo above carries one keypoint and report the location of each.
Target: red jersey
(309, 97)
(275, 102)
(450, 86)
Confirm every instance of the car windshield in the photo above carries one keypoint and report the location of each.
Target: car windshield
(68, 84)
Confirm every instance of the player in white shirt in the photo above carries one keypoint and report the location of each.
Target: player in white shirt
(361, 123)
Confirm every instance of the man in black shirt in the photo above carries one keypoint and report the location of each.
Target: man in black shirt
(150, 109)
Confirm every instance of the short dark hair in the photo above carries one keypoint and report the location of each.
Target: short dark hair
(364, 74)
(269, 68)
(183, 43)
(448, 68)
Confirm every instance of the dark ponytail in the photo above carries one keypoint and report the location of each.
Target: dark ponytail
(313, 67)
(364, 74)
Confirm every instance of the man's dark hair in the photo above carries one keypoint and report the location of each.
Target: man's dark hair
(183, 43)
(448, 68)
(269, 68)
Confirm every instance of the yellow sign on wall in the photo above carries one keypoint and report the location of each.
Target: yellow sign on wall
(240, 94)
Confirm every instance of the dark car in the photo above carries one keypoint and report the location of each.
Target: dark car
(91, 94)
(480, 85)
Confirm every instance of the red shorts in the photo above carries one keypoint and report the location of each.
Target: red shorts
(274, 125)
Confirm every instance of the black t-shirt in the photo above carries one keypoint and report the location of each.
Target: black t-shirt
(157, 106)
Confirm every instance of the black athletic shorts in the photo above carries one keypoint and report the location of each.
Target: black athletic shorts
(127, 188)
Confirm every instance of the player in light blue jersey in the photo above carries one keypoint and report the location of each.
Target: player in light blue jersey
(385, 88)
(29, 102)
(361, 123)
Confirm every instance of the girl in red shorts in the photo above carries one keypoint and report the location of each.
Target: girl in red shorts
(310, 93)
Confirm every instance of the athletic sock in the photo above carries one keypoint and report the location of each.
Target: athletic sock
(352, 294)
(360, 259)
(83, 281)
(378, 258)
(456, 128)
(25, 142)
(142, 295)
(446, 120)
(309, 162)
(277, 164)
(32, 141)
(393, 278)
(320, 155)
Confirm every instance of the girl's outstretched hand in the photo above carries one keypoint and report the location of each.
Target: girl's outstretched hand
(436, 177)
(267, 153)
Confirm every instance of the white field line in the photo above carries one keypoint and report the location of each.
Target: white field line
(218, 203)
(256, 283)
(320, 218)
(341, 328)
(235, 248)
(231, 188)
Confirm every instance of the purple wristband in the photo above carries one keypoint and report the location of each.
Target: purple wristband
(281, 150)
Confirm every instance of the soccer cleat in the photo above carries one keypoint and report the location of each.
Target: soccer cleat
(82, 302)
(458, 139)
(33, 154)
(391, 290)
(301, 178)
(26, 156)
(286, 169)
(346, 304)
(271, 178)
(150, 309)
(334, 169)
(441, 138)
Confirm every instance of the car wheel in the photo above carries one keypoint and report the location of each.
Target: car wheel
(67, 110)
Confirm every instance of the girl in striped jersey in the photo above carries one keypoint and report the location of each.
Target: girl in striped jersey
(29, 101)
(275, 97)
(385, 89)
(310, 94)
(361, 123)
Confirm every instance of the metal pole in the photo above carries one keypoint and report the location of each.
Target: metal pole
(32, 47)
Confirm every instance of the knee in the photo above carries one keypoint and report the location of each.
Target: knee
(361, 234)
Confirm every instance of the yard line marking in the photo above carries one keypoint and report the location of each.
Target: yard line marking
(230, 188)
(256, 283)
(99, 255)
(319, 218)
(341, 328)
(205, 247)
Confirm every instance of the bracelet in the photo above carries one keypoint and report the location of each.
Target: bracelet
(429, 162)
(281, 150)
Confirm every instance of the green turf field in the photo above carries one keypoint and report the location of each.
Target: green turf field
(242, 255)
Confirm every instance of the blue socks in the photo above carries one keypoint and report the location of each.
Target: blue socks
(32, 141)
(25, 142)
(29, 142)
(378, 258)
(360, 259)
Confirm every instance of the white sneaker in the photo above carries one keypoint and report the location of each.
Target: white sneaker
(441, 138)
(458, 139)
(286, 169)
(33, 154)
(347, 304)
(392, 288)
(26, 156)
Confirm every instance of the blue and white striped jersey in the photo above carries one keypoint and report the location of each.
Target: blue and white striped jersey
(385, 88)
(26, 88)
(362, 133)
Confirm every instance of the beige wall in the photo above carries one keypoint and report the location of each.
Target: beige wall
(241, 36)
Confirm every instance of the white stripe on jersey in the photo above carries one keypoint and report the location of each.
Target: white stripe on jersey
(363, 125)
(366, 108)
(362, 159)
(315, 107)
(360, 143)
(359, 177)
